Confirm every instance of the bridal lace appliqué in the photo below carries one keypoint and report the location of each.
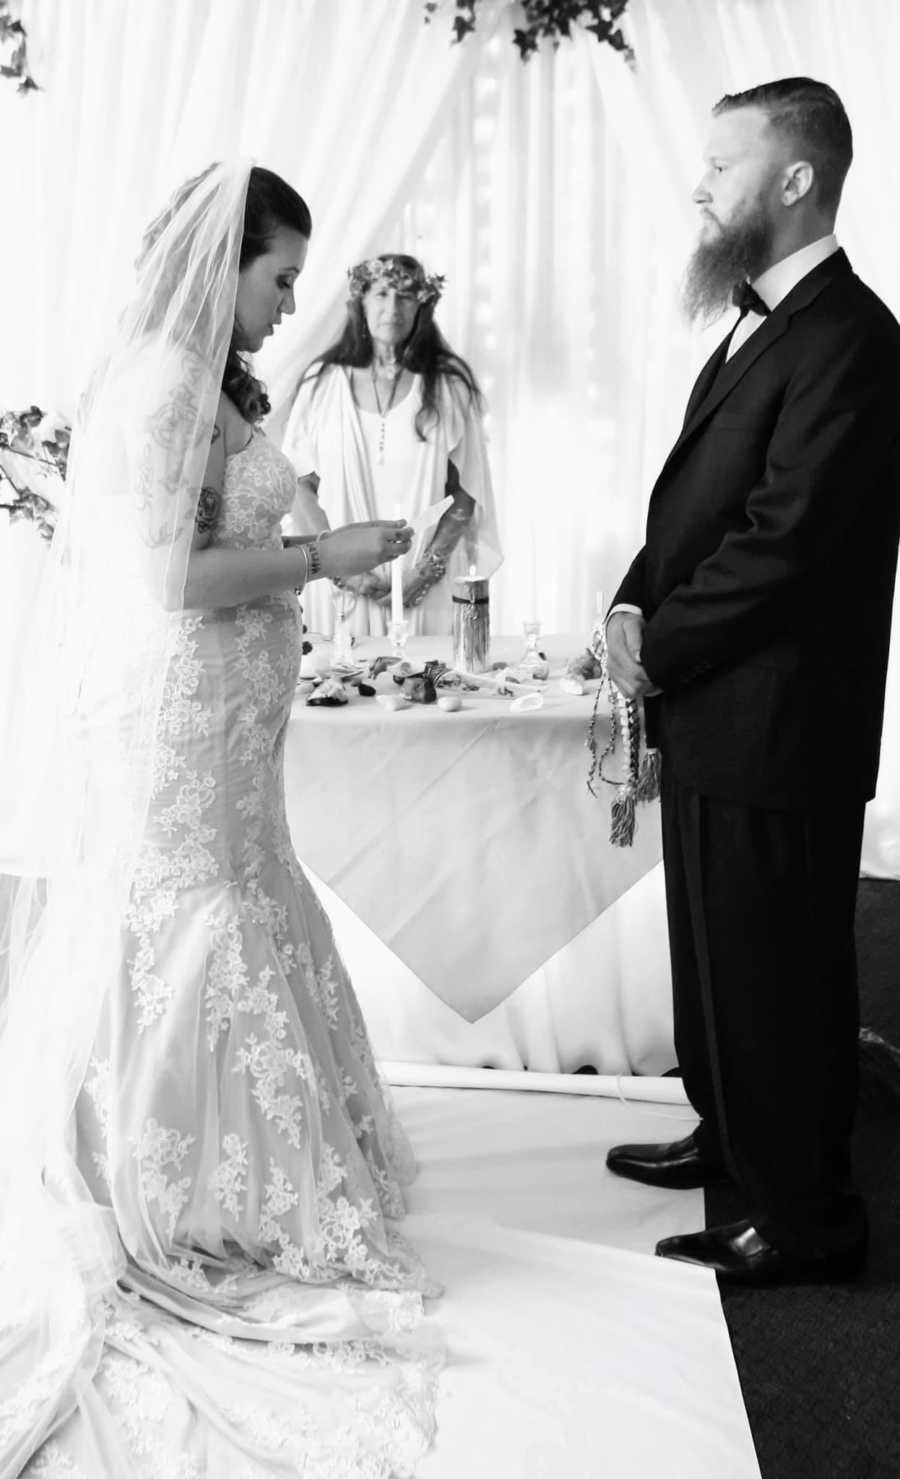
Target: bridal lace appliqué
(156, 1150)
(228, 1181)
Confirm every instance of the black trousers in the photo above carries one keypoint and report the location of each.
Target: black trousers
(761, 911)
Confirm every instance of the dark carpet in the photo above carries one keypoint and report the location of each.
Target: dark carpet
(820, 1365)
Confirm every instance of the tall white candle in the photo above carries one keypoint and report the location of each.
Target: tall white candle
(397, 590)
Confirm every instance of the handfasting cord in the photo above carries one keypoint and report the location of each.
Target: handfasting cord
(641, 779)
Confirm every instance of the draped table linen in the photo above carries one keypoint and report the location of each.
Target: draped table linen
(466, 865)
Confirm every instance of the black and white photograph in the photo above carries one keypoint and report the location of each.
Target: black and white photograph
(449, 739)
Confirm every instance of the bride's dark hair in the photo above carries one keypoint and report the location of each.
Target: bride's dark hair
(271, 203)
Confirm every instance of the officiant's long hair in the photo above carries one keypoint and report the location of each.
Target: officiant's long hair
(426, 352)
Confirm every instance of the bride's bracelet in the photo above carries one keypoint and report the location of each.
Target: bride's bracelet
(303, 548)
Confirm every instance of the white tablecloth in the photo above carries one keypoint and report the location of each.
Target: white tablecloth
(483, 914)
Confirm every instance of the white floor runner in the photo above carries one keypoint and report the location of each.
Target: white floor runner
(538, 1162)
(571, 1351)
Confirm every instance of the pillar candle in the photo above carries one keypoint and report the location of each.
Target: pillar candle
(471, 624)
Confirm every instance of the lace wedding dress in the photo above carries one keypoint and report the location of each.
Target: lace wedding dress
(232, 1118)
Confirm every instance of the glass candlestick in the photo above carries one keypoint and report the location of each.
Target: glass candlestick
(398, 631)
(344, 603)
(531, 658)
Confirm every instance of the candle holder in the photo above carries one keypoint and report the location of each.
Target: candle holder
(531, 657)
(398, 631)
(344, 604)
(471, 624)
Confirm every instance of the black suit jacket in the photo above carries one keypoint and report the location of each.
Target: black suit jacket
(767, 575)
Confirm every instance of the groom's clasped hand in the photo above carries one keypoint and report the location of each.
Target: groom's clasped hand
(623, 641)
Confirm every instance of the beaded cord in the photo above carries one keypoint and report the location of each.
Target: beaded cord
(641, 778)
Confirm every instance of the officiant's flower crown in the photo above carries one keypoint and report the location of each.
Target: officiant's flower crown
(393, 272)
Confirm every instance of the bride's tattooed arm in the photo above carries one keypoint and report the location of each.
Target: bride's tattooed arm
(209, 502)
(208, 506)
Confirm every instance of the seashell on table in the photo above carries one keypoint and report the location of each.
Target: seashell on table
(527, 703)
(392, 701)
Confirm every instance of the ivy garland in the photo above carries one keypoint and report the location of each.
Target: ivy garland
(34, 453)
(14, 50)
(545, 20)
(550, 20)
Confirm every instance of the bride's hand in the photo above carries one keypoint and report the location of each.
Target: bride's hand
(358, 547)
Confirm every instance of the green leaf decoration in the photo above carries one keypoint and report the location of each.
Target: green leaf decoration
(26, 449)
(549, 20)
(15, 65)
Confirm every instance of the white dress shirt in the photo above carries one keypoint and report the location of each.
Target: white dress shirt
(778, 281)
(774, 285)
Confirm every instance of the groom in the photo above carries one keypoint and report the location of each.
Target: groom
(755, 622)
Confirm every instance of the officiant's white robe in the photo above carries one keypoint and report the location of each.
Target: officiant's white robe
(328, 434)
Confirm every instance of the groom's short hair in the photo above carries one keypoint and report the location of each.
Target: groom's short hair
(812, 115)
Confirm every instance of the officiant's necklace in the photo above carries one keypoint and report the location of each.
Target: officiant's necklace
(384, 413)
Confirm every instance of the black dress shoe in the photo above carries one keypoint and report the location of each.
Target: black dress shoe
(679, 1165)
(741, 1255)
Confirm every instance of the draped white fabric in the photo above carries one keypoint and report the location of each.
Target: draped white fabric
(342, 98)
(555, 196)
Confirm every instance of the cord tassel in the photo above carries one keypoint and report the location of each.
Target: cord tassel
(622, 818)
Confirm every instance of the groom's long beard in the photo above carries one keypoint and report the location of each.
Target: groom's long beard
(738, 251)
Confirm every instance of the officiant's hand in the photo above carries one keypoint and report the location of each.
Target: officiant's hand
(358, 547)
(624, 634)
(373, 586)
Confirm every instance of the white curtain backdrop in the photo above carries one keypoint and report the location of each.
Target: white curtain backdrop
(555, 196)
(342, 97)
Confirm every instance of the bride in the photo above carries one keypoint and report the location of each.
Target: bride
(200, 1175)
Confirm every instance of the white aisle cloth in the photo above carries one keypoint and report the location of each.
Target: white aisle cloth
(570, 1350)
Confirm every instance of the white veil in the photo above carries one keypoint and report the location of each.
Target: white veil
(77, 765)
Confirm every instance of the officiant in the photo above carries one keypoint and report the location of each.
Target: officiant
(387, 421)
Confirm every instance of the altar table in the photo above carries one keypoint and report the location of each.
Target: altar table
(483, 913)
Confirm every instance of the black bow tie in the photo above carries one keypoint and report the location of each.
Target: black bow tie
(747, 299)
